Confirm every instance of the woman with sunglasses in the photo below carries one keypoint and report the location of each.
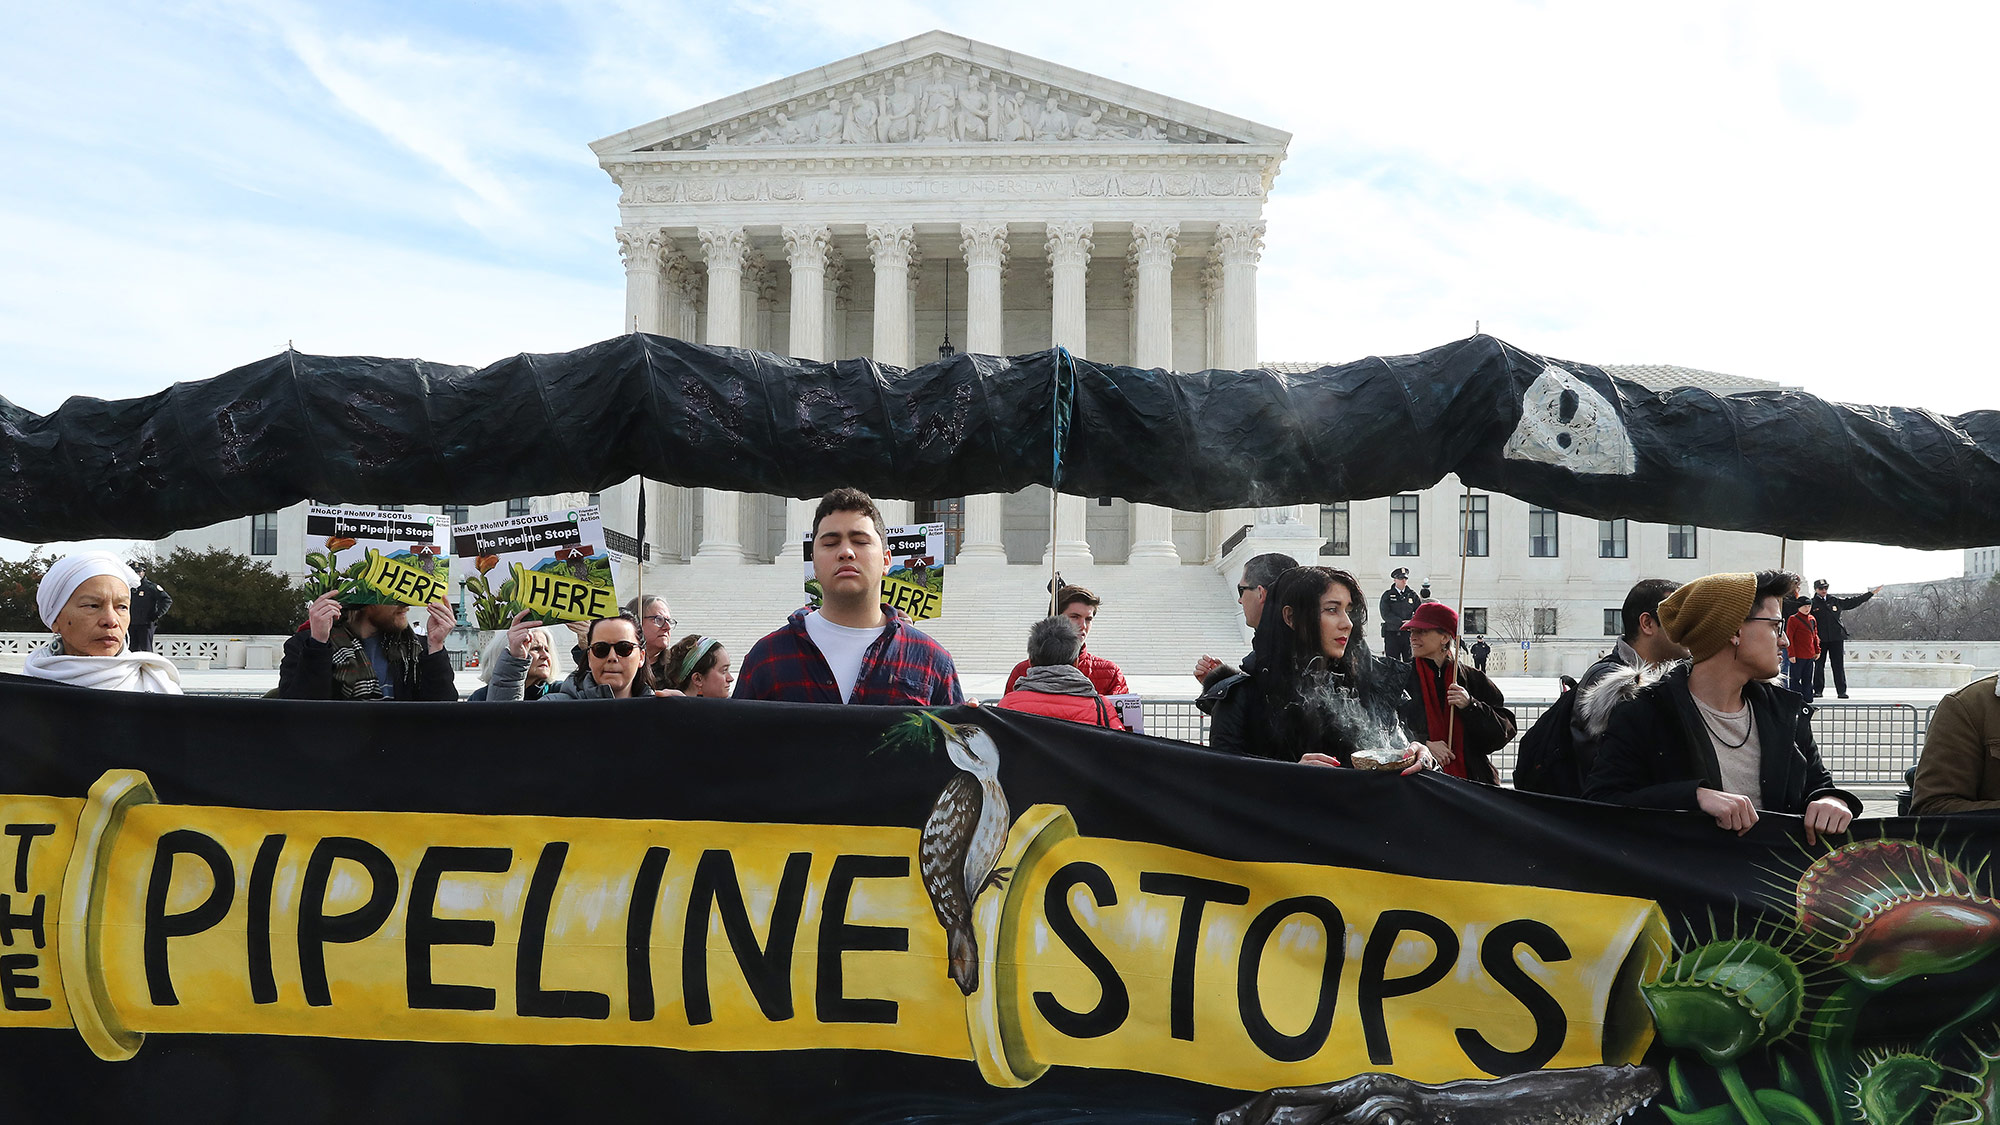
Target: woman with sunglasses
(1311, 691)
(613, 651)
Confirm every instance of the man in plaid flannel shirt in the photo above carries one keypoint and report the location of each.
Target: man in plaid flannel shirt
(853, 649)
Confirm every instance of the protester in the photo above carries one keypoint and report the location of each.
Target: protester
(853, 649)
(1465, 718)
(1715, 734)
(1480, 651)
(86, 598)
(541, 664)
(1826, 611)
(658, 622)
(1080, 606)
(1054, 683)
(1958, 771)
(699, 666)
(1398, 603)
(1643, 643)
(1314, 694)
(149, 605)
(1252, 589)
(366, 652)
(1802, 647)
(612, 645)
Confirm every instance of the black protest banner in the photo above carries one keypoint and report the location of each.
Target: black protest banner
(718, 910)
(1551, 432)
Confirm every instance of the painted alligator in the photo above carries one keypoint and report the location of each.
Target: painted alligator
(1590, 1095)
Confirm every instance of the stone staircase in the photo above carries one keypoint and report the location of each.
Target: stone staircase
(988, 610)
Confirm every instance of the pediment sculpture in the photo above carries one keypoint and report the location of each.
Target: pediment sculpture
(941, 101)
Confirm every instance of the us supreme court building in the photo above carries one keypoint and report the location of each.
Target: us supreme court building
(941, 190)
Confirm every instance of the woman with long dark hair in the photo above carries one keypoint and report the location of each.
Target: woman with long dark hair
(1311, 691)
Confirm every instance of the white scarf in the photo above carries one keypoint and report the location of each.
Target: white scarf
(127, 671)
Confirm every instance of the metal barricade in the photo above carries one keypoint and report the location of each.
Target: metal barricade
(1861, 743)
(1867, 743)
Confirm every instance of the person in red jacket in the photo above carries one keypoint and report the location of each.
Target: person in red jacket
(1080, 606)
(1802, 644)
(1053, 685)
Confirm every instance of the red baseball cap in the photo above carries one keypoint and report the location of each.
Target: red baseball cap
(1433, 615)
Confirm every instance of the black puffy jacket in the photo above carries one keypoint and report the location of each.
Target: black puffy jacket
(1656, 751)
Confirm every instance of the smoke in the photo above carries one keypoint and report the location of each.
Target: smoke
(1353, 708)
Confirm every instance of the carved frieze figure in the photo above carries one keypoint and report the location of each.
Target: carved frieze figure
(938, 117)
(899, 117)
(1054, 124)
(974, 105)
(861, 123)
(1012, 126)
(828, 122)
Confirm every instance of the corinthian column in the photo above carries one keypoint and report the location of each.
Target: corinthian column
(641, 249)
(835, 300)
(724, 248)
(1240, 245)
(806, 247)
(985, 248)
(889, 244)
(1069, 249)
(893, 247)
(1153, 307)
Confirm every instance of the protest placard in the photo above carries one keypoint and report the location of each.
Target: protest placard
(378, 557)
(1131, 711)
(555, 565)
(914, 582)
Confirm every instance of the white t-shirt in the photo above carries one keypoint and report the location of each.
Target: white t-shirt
(1738, 751)
(843, 648)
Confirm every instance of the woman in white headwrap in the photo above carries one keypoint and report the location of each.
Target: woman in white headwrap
(87, 599)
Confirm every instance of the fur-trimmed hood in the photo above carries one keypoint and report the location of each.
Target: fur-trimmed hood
(1595, 705)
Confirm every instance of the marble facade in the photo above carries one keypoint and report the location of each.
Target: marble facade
(943, 188)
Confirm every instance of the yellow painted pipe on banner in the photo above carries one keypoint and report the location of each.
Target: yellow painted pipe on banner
(557, 597)
(709, 935)
(409, 585)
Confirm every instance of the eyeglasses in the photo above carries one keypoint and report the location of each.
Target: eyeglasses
(602, 649)
(660, 621)
(1241, 590)
(1777, 623)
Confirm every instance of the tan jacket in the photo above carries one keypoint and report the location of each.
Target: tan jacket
(1960, 769)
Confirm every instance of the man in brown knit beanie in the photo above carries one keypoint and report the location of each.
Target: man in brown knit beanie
(1716, 734)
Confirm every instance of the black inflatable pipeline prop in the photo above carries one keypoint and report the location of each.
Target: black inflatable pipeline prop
(1555, 433)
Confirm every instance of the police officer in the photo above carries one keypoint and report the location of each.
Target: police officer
(149, 604)
(1399, 604)
(1826, 611)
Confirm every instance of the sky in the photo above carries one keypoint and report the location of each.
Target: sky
(1799, 193)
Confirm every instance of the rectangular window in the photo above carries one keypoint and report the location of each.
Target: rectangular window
(1403, 537)
(1614, 622)
(1475, 621)
(596, 499)
(1473, 526)
(1681, 541)
(1611, 539)
(264, 534)
(517, 507)
(457, 514)
(390, 508)
(1333, 526)
(1545, 622)
(1543, 541)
